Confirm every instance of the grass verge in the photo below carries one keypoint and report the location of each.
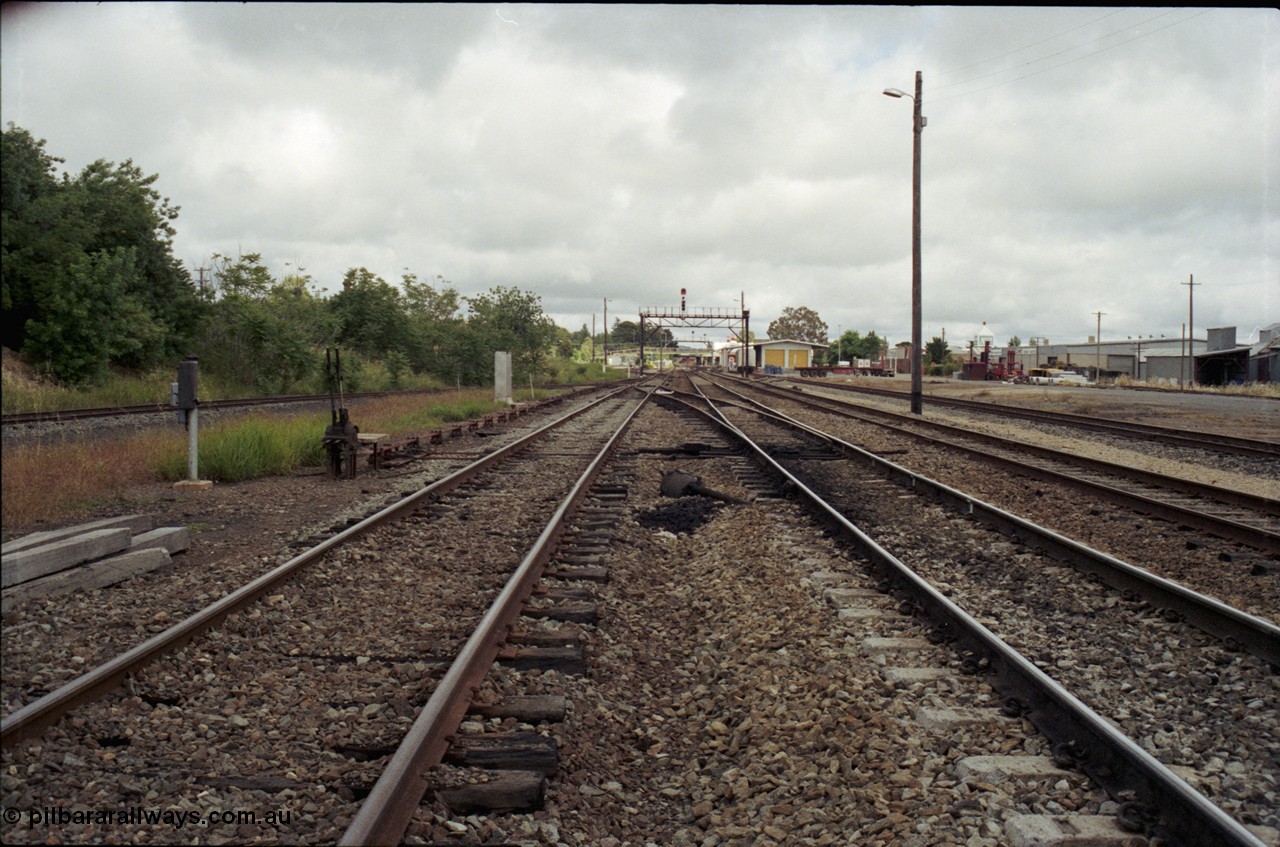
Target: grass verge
(250, 448)
(50, 482)
(47, 482)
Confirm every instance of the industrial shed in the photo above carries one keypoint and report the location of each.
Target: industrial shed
(1224, 362)
(1227, 361)
(787, 355)
(1264, 357)
(1130, 357)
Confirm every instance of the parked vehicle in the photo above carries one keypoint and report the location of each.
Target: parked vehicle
(1055, 376)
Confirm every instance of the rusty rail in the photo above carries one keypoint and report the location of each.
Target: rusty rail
(1116, 762)
(1200, 440)
(389, 808)
(1253, 634)
(33, 717)
(1224, 526)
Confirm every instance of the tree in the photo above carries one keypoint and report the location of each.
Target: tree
(396, 364)
(659, 337)
(245, 277)
(936, 351)
(299, 324)
(98, 248)
(511, 320)
(261, 333)
(435, 325)
(1015, 341)
(28, 177)
(853, 345)
(88, 318)
(799, 324)
(371, 314)
(564, 343)
(624, 333)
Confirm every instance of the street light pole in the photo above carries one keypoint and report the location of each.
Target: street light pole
(917, 351)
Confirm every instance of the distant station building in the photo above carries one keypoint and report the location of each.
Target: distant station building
(787, 355)
(774, 356)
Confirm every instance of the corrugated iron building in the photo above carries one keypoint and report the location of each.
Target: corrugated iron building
(1140, 358)
(784, 354)
(1217, 359)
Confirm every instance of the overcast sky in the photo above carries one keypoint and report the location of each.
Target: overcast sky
(1076, 160)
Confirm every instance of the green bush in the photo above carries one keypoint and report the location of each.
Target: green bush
(569, 372)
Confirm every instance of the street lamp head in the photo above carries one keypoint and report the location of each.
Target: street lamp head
(893, 92)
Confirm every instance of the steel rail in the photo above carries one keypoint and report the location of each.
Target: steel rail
(1114, 761)
(1223, 526)
(1236, 628)
(387, 811)
(1188, 438)
(30, 719)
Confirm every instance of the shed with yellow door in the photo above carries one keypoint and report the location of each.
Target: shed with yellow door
(788, 355)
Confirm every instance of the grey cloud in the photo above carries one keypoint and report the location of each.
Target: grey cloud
(588, 151)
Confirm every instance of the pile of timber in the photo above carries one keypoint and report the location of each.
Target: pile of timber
(91, 555)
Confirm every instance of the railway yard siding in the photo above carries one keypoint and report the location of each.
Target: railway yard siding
(744, 678)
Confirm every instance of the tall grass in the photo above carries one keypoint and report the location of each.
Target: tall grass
(30, 395)
(567, 372)
(23, 394)
(27, 394)
(250, 448)
(1251, 389)
(51, 482)
(408, 414)
(278, 445)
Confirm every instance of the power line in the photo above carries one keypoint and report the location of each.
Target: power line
(1069, 61)
(1058, 53)
(1025, 47)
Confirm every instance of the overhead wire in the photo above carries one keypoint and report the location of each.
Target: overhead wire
(1059, 53)
(1053, 37)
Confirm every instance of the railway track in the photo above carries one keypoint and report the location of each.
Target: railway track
(14, 419)
(332, 647)
(1055, 618)
(1213, 441)
(1241, 631)
(1249, 519)
(1240, 575)
(728, 689)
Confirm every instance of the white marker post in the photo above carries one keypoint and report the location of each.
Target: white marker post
(189, 413)
(502, 378)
